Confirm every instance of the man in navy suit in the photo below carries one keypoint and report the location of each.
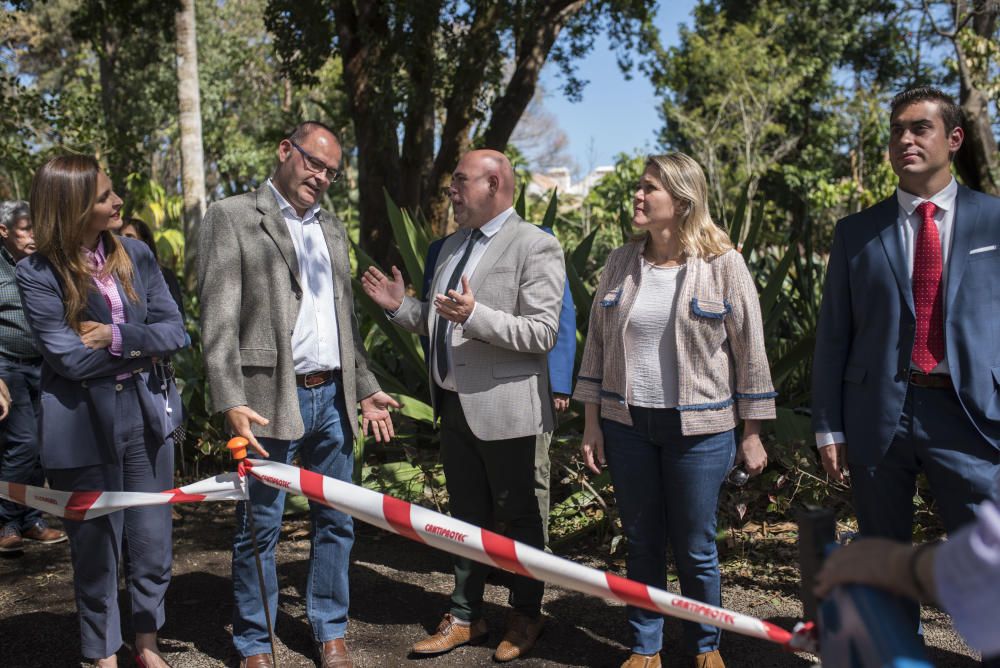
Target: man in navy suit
(907, 360)
(561, 360)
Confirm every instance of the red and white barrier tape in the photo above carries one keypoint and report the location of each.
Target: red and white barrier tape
(467, 540)
(419, 524)
(88, 505)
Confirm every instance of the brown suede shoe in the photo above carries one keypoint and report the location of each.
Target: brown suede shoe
(709, 660)
(522, 632)
(257, 661)
(450, 635)
(643, 661)
(10, 540)
(44, 535)
(334, 654)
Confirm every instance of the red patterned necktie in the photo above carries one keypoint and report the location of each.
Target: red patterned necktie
(928, 343)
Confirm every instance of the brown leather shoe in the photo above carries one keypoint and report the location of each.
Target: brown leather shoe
(450, 635)
(334, 654)
(643, 661)
(709, 660)
(44, 535)
(10, 540)
(257, 661)
(522, 632)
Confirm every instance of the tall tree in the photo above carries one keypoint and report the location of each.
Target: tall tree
(971, 28)
(103, 68)
(192, 153)
(426, 80)
(131, 40)
(750, 91)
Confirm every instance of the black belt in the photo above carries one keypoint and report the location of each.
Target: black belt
(35, 360)
(316, 378)
(934, 381)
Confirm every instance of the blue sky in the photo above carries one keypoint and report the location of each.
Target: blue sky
(614, 115)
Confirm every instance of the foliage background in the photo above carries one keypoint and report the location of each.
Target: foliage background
(782, 101)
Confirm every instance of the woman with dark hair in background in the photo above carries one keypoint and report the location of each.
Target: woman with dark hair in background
(136, 228)
(103, 321)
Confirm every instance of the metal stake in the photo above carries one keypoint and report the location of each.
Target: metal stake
(238, 447)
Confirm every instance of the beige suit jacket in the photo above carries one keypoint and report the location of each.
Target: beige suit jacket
(250, 292)
(500, 355)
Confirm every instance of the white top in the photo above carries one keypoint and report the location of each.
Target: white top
(651, 336)
(909, 223)
(315, 338)
(489, 231)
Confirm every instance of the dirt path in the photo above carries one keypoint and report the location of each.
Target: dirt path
(399, 591)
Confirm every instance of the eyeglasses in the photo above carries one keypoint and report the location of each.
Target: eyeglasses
(315, 165)
(459, 182)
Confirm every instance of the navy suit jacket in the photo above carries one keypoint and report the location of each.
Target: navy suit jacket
(864, 340)
(78, 385)
(563, 354)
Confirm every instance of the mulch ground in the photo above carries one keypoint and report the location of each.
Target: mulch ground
(399, 591)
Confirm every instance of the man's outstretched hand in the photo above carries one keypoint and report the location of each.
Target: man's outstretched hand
(387, 293)
(375, 412)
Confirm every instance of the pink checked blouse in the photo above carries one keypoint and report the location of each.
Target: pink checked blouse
(109, 290)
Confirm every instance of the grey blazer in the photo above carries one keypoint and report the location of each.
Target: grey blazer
(250, 294)
(500, 355)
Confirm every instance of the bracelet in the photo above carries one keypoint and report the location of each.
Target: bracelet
(911, 567)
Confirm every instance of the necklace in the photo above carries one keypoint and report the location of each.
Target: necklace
(665, 262)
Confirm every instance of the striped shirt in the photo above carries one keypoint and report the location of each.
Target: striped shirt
(16, 338)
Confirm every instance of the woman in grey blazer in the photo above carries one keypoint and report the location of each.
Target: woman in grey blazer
(105, 324)
(674, 358)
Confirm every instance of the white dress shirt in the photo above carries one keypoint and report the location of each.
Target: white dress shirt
(315, 338)
(909, 223)
(489, 231)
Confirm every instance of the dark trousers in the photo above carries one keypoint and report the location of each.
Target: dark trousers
(19, 445)
(489, 482)
(936, 437)
(97, 544)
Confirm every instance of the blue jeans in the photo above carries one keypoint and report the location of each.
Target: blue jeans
(667, 490)
(19, 444)
(326, 449)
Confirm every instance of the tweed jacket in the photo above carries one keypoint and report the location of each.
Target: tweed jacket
(250, 293)
(500, 354)
(723, 373)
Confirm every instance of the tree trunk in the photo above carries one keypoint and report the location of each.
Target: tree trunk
(192, 152)
(106, 47)
(362, 30)
(977, 162)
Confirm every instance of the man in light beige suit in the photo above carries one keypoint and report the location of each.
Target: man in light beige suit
(285, 364)
(498, 287)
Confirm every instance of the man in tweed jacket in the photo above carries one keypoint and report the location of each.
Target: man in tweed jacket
(285, 361)
(497, 286)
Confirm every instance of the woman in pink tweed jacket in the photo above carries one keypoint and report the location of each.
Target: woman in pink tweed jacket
(674, 358)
